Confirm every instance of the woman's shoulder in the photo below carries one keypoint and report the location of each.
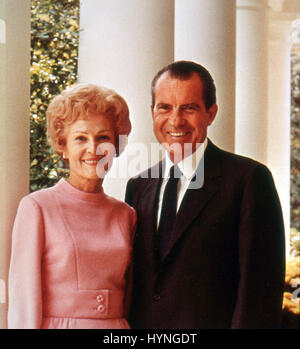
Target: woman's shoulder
(124, 214)
(119, 205)
(120, 210)
(39, 197)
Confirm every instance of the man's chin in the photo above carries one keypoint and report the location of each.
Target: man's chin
(180, 149)
(176, 155)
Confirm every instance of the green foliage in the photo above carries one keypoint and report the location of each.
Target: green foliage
(295, 141)
(54, 52)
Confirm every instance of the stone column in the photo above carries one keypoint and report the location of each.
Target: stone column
(205, 33)
(252, 83)
(279, 110)
(122, 46)
(14, 125)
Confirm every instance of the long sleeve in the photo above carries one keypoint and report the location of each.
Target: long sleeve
(129, 273)
(25, 282)
(261, 254)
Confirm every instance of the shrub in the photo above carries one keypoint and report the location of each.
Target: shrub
(54, 52)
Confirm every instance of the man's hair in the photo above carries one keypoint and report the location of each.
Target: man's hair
(183, 70)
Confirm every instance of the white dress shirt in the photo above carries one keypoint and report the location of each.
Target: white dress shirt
(188, 168)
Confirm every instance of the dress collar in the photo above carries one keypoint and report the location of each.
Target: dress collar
(66, 188)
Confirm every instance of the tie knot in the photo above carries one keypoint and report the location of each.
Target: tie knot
(175, 172)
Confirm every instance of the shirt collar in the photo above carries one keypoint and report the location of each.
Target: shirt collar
(187, 165)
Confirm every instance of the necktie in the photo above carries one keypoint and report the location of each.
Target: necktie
(168, 210)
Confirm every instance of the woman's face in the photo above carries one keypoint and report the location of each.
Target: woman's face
(83, 137)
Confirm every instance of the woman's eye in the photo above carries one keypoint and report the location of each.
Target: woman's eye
(80, 138)
(103, 138)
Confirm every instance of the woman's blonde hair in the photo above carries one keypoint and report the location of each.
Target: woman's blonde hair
(79, 101)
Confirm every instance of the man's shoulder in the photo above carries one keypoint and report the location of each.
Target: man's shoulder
(240, 169)
(237, 161)
(147, 175)
(137, 185)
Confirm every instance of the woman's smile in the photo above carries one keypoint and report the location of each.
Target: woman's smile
(91, 162)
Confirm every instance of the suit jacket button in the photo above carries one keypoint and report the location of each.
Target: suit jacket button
(156, 297)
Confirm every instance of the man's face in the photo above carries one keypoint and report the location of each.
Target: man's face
(179, 114)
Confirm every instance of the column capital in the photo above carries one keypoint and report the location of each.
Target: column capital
(276, 5)
(252, 4)
(284, 9)
(280, 25)
(292, 6)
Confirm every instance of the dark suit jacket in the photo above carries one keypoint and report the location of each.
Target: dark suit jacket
(224, 267)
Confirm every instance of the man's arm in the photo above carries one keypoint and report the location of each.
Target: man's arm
(261, 254)
(128, 193)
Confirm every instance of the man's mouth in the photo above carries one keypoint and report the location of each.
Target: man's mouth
(177, 134)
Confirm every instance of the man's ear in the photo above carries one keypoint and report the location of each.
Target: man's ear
(152, 110)
(212, 112)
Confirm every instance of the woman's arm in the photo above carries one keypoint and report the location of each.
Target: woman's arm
(25, 282)
(129, 274)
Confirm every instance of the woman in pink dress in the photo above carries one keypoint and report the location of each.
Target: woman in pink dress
(71, 244)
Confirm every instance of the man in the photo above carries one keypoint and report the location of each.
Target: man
(218, 261)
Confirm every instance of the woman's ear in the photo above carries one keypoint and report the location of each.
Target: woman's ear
(61, 148)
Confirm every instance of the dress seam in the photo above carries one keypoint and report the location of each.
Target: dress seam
(73, 242)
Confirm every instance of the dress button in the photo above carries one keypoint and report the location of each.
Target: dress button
(100, 298)
(101, 308)
(156, 297)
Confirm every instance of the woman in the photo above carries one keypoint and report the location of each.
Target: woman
(71, 244)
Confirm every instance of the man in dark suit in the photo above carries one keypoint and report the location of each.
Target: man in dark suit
(210, 254)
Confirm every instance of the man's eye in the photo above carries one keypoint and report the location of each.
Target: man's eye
(189, 107)
(163, 107)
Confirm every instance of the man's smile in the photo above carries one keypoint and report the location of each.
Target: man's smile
(177, 134)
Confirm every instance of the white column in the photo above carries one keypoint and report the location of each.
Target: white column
(205, 33)
(14, 125)
(252, 83)
(279, 111)
(123, 44)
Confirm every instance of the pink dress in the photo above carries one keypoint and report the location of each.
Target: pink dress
(71, 260)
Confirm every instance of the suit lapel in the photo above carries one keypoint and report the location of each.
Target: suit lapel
(195, 200)
(148, 205)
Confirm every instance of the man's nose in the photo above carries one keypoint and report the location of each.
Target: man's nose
(176, 118)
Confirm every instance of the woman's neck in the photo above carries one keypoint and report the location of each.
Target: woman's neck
(86, 185)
